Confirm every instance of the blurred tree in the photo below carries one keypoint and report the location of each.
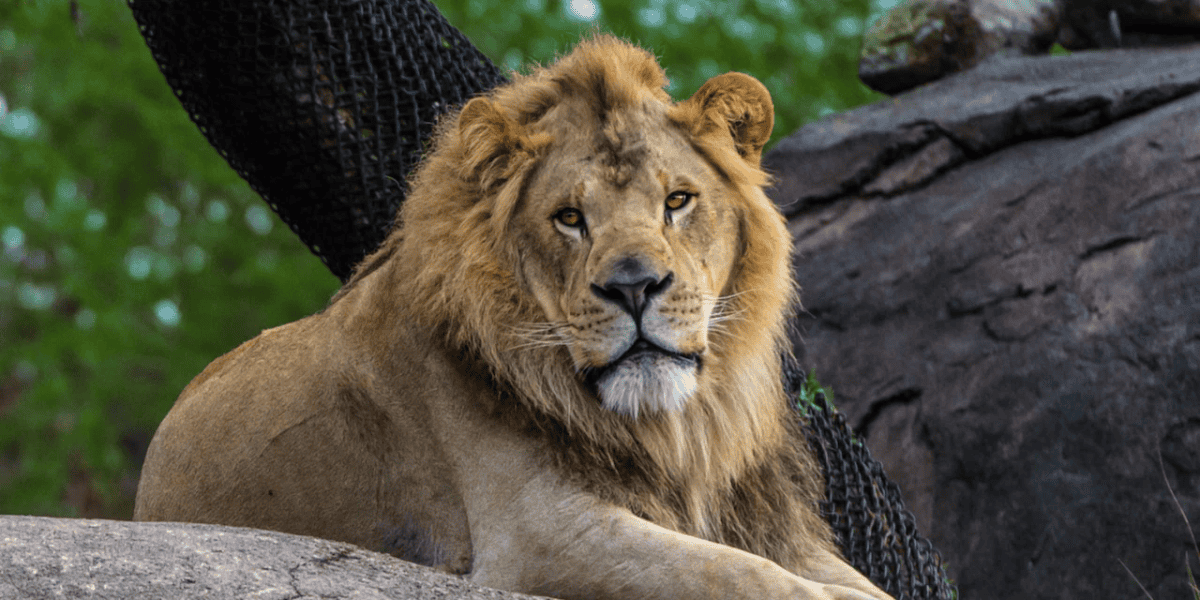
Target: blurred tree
(131, 255)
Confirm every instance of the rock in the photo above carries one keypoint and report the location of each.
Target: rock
(923, 40)
(1001, 284)
(43, 558)
(1088, 24)
(920, 41)
(893, 146)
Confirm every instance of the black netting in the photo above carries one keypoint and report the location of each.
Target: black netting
(324, 105)
(876, 534)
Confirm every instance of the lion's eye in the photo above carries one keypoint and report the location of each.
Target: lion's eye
(571, 217)
(678, 203)
(678, 200)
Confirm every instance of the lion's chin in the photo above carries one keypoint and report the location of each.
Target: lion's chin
(647, 382)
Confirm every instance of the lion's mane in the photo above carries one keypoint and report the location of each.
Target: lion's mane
(714, 469)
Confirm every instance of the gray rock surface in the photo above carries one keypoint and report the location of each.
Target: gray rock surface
(43, 558)
(918, 41)
(892, 146)
(1128, 23)
(1001, 284)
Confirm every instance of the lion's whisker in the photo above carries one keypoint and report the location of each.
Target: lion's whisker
(731, 296)
(539, 344)
(538, 335)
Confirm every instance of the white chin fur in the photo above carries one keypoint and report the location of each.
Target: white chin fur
(649, 383)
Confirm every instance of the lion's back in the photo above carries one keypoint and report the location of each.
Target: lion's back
(228, 415)
(281, 434)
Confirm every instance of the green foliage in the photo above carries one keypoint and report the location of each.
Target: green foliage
(807, 400)
(805, 52)
(131, 255)
(1058, 50)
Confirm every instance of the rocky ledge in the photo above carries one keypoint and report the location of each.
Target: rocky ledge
(43, 558)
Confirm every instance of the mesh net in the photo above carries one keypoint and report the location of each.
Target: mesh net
(875, 532)
(323, 107)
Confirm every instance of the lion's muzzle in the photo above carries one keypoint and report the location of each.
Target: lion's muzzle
(649, 373)
(648, 370)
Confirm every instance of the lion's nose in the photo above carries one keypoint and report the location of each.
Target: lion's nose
(632, 285)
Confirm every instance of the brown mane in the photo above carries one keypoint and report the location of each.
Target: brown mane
(466, 288)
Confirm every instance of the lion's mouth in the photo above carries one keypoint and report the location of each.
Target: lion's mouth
(647, 349)
(641, 346)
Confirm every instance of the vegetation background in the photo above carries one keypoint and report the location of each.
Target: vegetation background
(131, 255)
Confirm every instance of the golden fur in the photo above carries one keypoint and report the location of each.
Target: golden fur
(584, 407)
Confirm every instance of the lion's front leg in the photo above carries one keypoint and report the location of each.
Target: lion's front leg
(828, 568)
(577, 547)
(535, 530)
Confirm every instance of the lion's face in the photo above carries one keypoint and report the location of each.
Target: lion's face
(635, 242)
(589, 228)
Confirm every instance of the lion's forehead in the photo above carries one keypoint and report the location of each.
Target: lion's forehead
(630, 134)
(645, 164)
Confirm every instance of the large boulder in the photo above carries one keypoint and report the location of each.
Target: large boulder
(918, 41)
(43, 558)
(1001, 284)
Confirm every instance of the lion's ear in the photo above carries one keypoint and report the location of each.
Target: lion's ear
(492, 143)
(737, 103)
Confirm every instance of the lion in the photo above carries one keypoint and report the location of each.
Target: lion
(559, 374)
